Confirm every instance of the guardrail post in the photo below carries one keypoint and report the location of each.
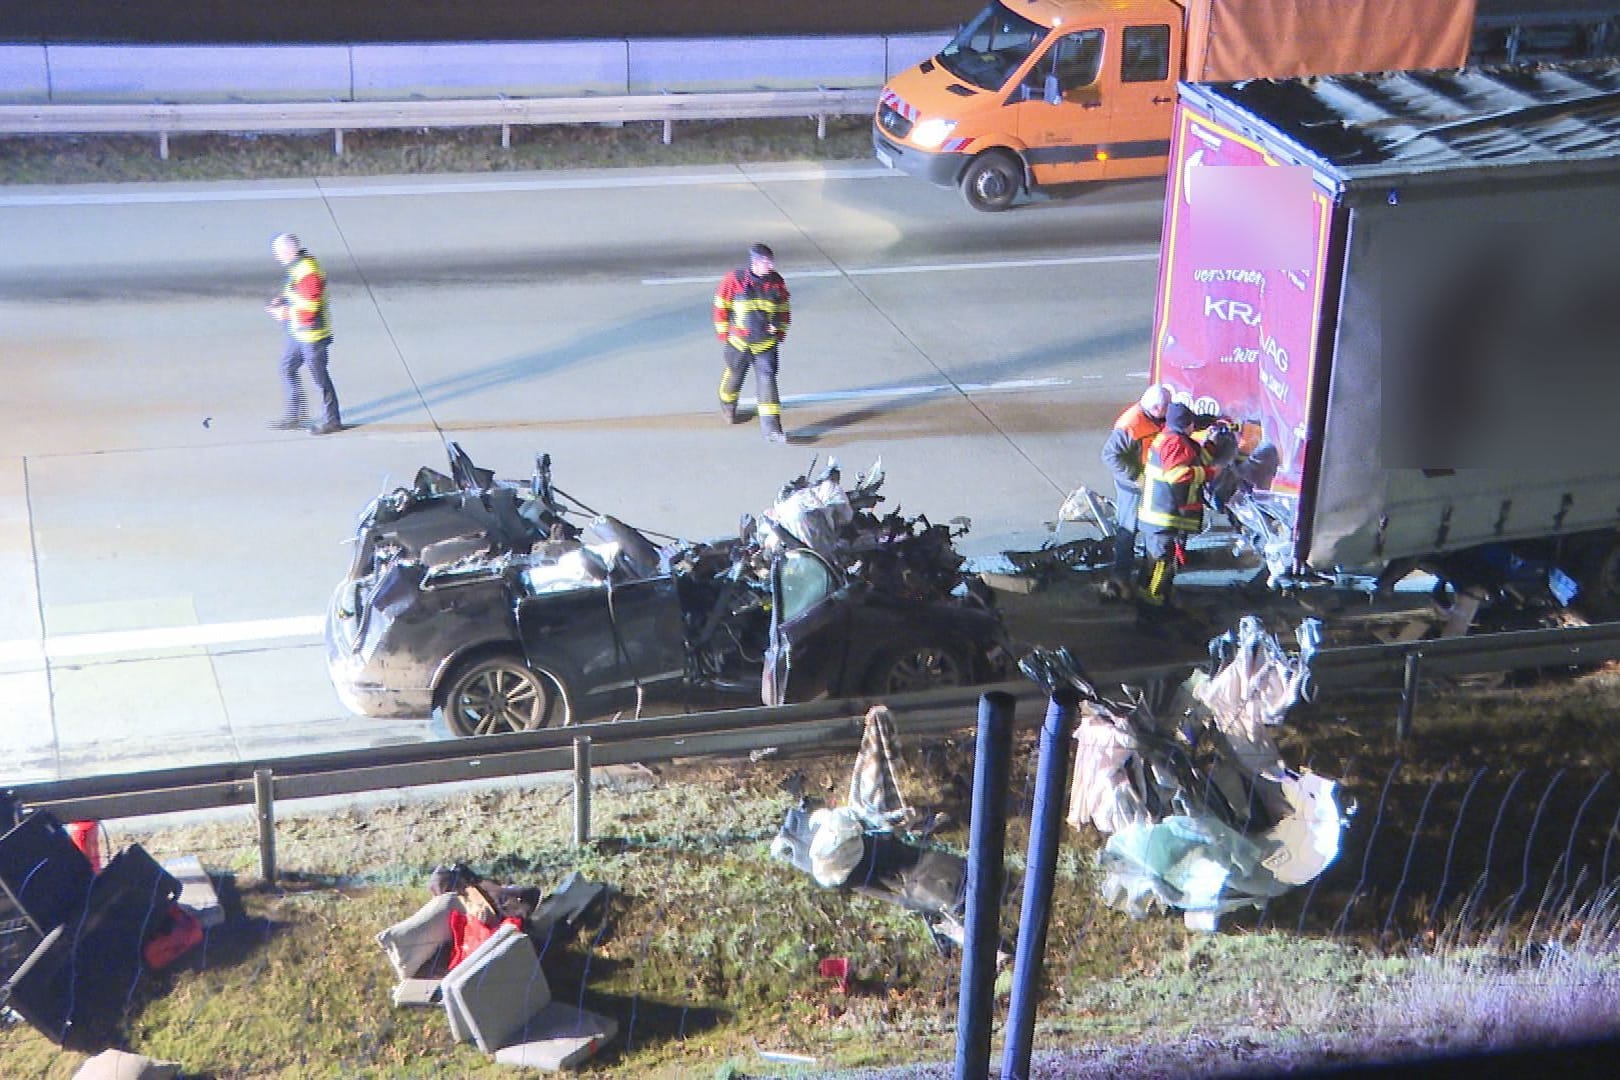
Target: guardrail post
(1409, 690)
(337, 141)
(265, 806)
(163, 145)
(1045, 827)
(582, 791)
(506, 136)
(987, 839)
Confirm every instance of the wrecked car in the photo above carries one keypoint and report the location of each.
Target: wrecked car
(510, 606)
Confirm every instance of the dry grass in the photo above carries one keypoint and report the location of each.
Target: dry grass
(85, 159)
(709, 950)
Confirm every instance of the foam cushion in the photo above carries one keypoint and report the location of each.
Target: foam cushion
(492, 994)
(411, 943)
(118, 1065)
(560, 1037)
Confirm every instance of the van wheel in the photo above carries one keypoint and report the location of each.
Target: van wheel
(992, 181)
(917, 667)
(499, 694)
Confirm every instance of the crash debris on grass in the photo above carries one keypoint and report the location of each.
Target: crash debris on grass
(80, 936)
(875, 843)
(475, 947)
(1200, 812)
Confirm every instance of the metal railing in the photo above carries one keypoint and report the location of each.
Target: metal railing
(341, 116)
(819, 725)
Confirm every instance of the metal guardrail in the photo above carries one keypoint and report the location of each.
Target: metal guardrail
(831, 723)
(340, 116)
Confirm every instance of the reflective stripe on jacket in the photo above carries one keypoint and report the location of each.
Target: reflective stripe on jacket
(305, 293)
(1173, 494)
(751, 313)
(1125, 450)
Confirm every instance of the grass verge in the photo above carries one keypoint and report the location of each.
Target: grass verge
(103, 159)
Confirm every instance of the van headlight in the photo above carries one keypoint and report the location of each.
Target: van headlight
(931, 132)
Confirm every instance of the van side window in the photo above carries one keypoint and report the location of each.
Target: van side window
(1076, 59)
(1145, 54)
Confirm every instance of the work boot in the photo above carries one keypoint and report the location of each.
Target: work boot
(728, 409)
(777, 436)
(325, 429)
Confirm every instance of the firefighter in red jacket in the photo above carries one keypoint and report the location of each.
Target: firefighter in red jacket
(1172, 505)
(301, 306)
(751, 317)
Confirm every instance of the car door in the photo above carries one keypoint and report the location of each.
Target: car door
(1144, 101)
(603, 643)
(810, 610)
(1068, 110)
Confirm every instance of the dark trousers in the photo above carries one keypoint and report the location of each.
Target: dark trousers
(1126, 502)
(310, 355)
(764, 365)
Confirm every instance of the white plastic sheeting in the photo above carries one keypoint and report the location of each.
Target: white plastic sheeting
(1201, 812)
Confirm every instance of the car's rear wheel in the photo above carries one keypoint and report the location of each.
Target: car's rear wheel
(912, 668)
(499, 694)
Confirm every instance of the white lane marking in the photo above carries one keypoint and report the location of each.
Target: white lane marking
(320, 189)
(937, 268)
(34, 652)
(112, 642)
(1007, 386)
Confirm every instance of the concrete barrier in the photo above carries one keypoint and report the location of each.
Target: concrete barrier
(219, 74)
(902, 51)
(198, 73)
(706, 65)
(24, 76)
(494, 69)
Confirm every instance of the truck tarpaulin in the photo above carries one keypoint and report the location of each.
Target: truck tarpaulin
(1241, 284)
(1237, 39)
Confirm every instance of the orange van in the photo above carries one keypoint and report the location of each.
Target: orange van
(1036, 93)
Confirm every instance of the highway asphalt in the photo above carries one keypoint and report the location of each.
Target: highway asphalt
(164, 558)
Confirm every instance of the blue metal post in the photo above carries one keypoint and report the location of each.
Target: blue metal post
(987, 840)
(1045, 826)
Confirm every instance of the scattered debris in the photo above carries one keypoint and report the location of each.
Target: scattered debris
(475, 948)
(596, 615)
(855, 846)
(122, 1065)
(1200, 811)
(96, 932)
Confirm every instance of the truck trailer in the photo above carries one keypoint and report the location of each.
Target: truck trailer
(1044, 93)
(1404, 284)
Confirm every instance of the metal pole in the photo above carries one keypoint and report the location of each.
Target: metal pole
(265, 806)
(987, 839)
(1409, 690)
(582, 791)
(1045, 826)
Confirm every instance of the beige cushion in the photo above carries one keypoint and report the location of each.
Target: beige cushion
(118, 1065)
(491, 996)
(411, 943)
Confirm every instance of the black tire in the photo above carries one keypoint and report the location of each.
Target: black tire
(992, 181)
(1599, 579)
(923, 666)
(500, 694)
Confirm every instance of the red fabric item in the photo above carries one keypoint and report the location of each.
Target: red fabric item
(836, 968)
(467, 934)
(183, 934)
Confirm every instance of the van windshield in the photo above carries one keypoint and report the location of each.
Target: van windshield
(990, 48)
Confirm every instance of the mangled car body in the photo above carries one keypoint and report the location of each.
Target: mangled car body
(488, 602)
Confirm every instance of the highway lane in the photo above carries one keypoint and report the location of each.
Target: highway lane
(164, 558)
